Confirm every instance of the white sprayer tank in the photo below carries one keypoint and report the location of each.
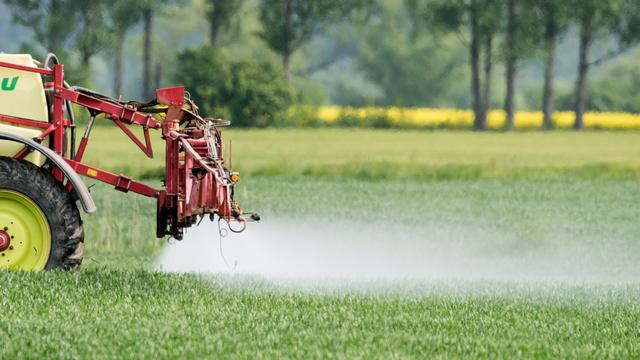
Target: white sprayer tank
(21, 95)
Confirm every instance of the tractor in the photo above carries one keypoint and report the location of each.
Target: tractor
(41, 163)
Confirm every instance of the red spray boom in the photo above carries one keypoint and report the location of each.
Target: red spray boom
(196, 181)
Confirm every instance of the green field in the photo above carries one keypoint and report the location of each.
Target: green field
(538, 232)
(422, 155)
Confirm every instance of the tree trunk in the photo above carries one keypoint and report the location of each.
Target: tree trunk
(52, 39)
(551, 30)
(216, 12)
(85, 52)
(583, 68)
(288, 38)
(548, 106)
(118, 69)
(488, 67)
(147, 17)
(286, 65)
(509, 101)
(478, 123)
(85, 60)
(158, 77)
(214, 34)
(509, 105)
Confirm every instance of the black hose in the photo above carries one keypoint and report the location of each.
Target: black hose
(53, 59)
(72, 126)
(49, 58)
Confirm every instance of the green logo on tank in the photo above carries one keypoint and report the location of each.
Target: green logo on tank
(9, 84)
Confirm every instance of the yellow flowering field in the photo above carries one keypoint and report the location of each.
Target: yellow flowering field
(455, 118)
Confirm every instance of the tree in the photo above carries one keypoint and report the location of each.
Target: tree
(479, 121)
(51, 21)
(477, 18)
(147, 20)
(124, 15)
(552, 18)
(221, 14)
(56, 22)
(92, 34)
(390, 54)
(489, 15)
(148, 10)
(249, 93)
(289, 24)
(617, 87)
(519, 42)
(595, 18)
(511, 58)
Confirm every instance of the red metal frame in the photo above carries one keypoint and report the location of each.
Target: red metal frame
(196, 183)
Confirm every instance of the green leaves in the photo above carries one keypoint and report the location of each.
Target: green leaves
(222, 15)
(289, 24)
(52, 21)
(249, 93)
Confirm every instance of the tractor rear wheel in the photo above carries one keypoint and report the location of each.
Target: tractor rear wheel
(40, 225)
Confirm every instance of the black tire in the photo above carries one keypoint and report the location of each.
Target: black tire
(63, 217)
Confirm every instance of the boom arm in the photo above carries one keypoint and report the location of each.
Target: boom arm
(196, 181)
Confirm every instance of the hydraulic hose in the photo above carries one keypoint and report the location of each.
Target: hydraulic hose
(52, 59)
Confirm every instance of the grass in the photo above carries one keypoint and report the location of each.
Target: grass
(137, 314)
(422, 155)
(596, 221)
(118, 307)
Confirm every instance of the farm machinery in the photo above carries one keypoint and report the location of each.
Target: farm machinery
(40, 163)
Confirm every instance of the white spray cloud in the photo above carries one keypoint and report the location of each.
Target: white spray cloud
(320, 250)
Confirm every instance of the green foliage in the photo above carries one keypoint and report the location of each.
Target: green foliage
(117, 305)
(93, 34)
(411, 69)
(525, 29)
(420, 154)
(250, 93)
(550, 18)
(628, 28)
(59, 23)
(223, 17)
(258, 96)
(355, 52)
(123, 14)
(308, 92)
(289, 24)
(52, 21)
(617, 88)
(139, 313)
(375, 120)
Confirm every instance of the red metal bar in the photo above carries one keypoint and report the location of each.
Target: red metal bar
(26, 68)
(25, 122)
(27, 150)
(122, 183)
(171, 96)
(81, 148)
(125, 113)
(146, 148)
(171, 161)
(58, 117)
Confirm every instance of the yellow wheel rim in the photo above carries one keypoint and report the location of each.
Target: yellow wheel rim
(25, 227)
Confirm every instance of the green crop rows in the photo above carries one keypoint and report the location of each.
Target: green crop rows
(573, 202)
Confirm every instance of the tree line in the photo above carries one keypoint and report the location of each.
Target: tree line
(90, 26)
(505, 32)
(524, 26)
